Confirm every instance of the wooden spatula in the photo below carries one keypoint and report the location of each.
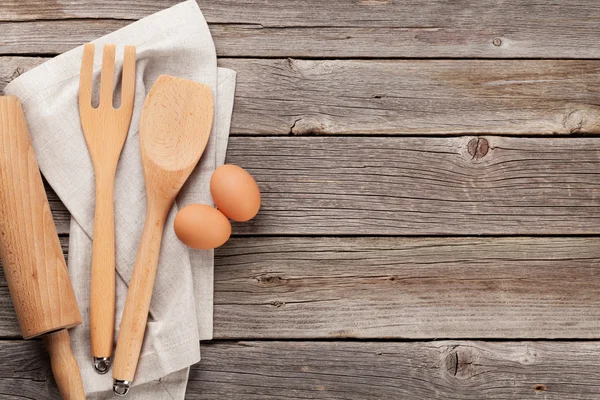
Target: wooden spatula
(174, 130)
(105, 129)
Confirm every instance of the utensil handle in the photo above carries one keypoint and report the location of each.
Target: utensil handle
(139, 294)
(64, 366)
(102, 295)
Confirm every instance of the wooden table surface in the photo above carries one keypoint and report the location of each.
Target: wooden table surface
(431, 197)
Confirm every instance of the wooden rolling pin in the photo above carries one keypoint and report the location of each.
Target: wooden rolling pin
(31, 254)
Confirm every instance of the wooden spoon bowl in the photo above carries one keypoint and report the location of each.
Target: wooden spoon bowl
(174, 131)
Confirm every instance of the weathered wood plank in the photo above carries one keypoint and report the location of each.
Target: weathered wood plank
(48, 37)
(466, 370)
(417, 371)
(16, 10)
(422, 186)
(336, 28)
(279, 97)
(417, 186)
(408, 288)
(25, 371)
(401, 288)
(415, 97)
(12, 67)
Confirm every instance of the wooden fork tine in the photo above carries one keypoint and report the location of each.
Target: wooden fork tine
(128, 80)
(107, 79)
(86, 76)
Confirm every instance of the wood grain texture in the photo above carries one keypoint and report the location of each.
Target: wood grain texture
(31, 252)
(26, 37)
(13, 67)
(421, 186)
(337, 28)
(415, 97)
(64, 365)
(19, 11)
(303, 97)
(456, 370)
(25, 372)
(401, 288)
(29, 246)
(442, 370)
(407, 288)
(105, 129)
(414, 185)
(384, 287)
(417, 186)
(175, 126)
(8, 319)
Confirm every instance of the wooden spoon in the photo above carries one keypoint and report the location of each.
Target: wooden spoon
(174, 130)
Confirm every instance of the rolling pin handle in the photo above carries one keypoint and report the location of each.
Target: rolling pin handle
(120, 387)
(64, 365)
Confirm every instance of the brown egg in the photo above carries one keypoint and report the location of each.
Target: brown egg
(202, 227)
(235, 192)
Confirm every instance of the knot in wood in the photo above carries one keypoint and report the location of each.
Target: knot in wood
(269, 279)
(478, 148)
(308, 126)
(582, 121)
(460, 363)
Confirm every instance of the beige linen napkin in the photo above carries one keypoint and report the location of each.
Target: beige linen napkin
(177, 42)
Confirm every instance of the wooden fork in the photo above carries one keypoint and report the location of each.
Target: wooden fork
(105, 129)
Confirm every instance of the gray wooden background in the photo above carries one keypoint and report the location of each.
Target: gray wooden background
(431, 197)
